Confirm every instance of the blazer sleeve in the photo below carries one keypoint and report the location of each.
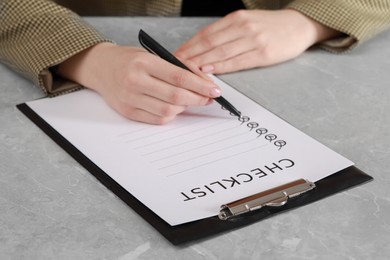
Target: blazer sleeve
(36, 35)
(359, 20)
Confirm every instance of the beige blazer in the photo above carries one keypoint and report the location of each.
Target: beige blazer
(36, 35)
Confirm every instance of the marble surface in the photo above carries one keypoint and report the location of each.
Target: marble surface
(52, 208)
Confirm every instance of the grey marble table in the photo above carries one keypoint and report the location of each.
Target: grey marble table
(52, 208)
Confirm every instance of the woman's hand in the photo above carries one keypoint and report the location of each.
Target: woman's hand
(139, 85)
(253, 38)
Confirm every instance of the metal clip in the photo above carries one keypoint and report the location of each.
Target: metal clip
(274, 197)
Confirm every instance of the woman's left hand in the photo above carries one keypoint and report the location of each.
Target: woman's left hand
(246, 39)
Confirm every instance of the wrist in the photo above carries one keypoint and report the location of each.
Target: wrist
(83, 67)
(312, 30)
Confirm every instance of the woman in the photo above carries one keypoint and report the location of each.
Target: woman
(48, 43)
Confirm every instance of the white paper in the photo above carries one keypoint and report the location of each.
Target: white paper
(185, 170)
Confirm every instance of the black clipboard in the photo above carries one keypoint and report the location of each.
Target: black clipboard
(203, 228)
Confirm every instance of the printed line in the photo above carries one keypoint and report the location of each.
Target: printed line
(189, 141)
(223, 158)
(132, 132)
(203, 155)
(199, 147)
(147, 127)
(184, 134)
(161, 132)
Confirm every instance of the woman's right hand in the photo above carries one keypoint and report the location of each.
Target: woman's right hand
(137, 84)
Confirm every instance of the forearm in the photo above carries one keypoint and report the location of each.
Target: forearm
(36, 35)
(358, 21)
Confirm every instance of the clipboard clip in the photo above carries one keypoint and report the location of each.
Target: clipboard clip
(274, 197)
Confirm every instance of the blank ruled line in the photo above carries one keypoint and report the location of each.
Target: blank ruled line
(203, 155)
(213, 161)
(189, 141)
(132, 132)
(200, 147)
(162, 132)
(181, 135)
(187, 125)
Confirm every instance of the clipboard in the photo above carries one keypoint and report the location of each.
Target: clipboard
(184, 233)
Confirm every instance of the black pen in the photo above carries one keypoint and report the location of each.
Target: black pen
(154, 47)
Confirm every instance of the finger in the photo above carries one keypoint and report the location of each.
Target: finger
(173, 95)
(140, 111)
(184, 79)
(193, 46)
(132, 106)
(210, 42)
(195, 69)
(146, 117)
(224, 52)
(243, 61)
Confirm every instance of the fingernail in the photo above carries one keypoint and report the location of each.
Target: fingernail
(215, 92)
(207, 68)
